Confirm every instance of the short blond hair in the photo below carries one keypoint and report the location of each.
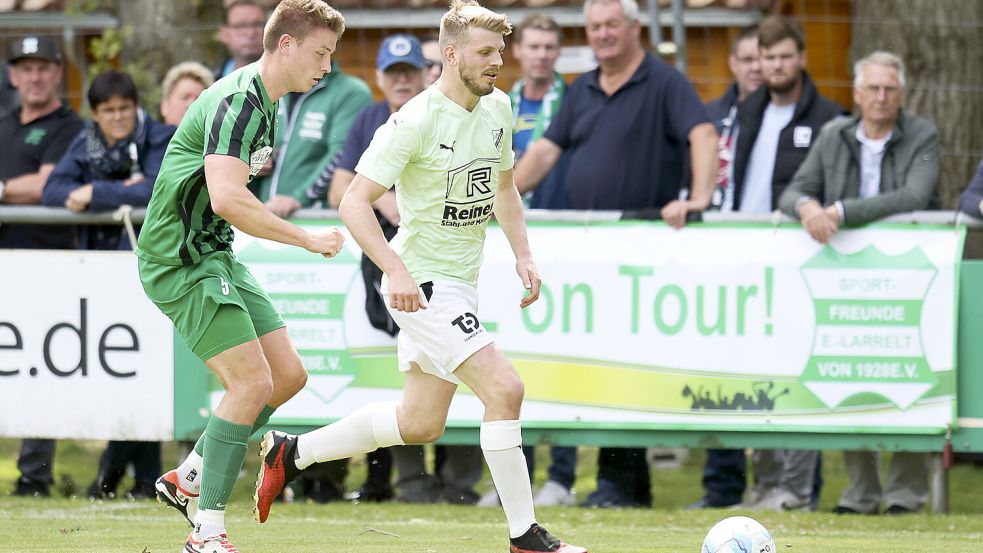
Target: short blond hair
(298, 18)
(468, 14)
(186, 70)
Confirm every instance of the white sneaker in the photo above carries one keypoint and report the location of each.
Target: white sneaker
(752, 497)
(490, 499)
(554, 493)
(780, 499)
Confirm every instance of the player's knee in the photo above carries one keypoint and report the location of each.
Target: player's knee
(422, 432)
(512, 391)
(432, 434)
(295, 380)
(260, 389)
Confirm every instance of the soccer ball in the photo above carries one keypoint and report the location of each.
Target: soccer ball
(738, 535)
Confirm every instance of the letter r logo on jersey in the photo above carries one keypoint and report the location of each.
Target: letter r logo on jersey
(225, 286)
(479, 181)
(467, 322)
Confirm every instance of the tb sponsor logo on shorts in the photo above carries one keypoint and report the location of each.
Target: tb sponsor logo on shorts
(470, 195)
(468, 323)
(225, 286)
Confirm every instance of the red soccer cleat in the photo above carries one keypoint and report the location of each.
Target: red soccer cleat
(276, 470)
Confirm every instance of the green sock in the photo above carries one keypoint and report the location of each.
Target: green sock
(261, 420)
(224, 452)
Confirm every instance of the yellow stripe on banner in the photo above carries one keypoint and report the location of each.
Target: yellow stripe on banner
(623, 388)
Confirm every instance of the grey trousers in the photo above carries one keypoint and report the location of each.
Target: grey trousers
(461, 471)
(907, 483)
(36, 459)
(789, 469)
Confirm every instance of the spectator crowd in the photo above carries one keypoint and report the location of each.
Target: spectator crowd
(631, 135)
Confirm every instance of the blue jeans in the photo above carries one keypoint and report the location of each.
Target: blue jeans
(724, 477)
(563, 464)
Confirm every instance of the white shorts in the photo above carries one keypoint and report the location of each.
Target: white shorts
(442, 336)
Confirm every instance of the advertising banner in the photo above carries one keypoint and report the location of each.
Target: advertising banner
(639, 326)
(83, 353)
(725, 327)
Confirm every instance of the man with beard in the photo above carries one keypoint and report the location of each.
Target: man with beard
(779, 120)
(777, 124)
(450, 150)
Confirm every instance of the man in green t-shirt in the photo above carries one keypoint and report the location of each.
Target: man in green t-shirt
(187, 267)
(450, 150)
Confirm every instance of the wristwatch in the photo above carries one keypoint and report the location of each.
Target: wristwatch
(3, 190)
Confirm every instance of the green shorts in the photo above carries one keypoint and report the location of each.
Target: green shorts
(215, 305)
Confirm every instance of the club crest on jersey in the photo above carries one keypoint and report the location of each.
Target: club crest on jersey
(497, 138)
(258, 160)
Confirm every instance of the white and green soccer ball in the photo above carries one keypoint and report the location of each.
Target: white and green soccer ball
(738, 535)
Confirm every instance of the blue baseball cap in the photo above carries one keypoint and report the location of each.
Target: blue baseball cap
(400, 49)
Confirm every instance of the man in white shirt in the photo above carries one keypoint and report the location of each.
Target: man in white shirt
(777, 123)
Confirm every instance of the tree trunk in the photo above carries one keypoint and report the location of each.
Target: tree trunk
(167, 32)
(942, 46)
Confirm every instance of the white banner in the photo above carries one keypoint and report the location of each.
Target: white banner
(83, 353)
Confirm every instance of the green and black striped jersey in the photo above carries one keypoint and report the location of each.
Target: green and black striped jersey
(233, 117)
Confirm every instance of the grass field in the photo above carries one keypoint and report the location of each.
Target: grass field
(121, 526)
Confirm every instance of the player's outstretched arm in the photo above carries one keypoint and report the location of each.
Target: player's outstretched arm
(508, 212)
(226, 178)
(356, 212)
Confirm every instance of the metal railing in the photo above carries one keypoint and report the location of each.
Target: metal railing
(58, 215)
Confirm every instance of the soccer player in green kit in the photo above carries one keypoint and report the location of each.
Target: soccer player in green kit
(450, 150)
(187, 267)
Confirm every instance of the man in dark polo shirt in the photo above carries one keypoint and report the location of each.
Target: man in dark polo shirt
(34, 136)
(626, 127)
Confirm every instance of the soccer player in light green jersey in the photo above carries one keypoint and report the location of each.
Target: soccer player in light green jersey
(449, 153)
(187, 267)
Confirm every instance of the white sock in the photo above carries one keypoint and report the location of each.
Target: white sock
(209, 523)
(367, 429)
(501, 442)
(189, 473)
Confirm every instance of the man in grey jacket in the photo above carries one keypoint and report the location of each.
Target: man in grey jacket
(859, 170)
(867, 167)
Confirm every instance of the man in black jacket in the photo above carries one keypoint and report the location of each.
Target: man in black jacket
(778, 121)
(777, 124)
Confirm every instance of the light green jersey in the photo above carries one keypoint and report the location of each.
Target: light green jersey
(233, 117)
(445, 161)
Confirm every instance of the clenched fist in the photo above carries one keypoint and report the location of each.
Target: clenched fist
(327, 243)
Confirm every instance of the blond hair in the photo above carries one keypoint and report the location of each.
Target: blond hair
(186, 70)
(468, 14)
(298, 18)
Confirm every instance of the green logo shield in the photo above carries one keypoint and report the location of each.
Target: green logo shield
(868, 340)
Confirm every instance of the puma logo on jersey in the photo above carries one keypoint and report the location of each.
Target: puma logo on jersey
(446, 147)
